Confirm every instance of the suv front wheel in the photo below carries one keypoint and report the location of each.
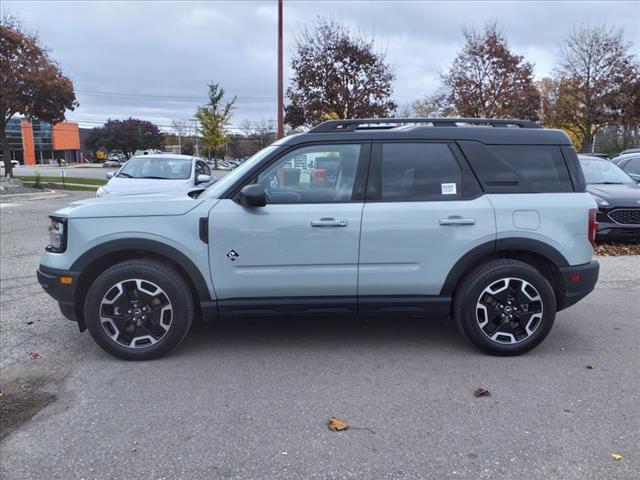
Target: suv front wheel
(138, 310)
(505, 307)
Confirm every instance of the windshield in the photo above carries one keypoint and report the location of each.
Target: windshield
(169, 168)
(603, 172)
(218, 188)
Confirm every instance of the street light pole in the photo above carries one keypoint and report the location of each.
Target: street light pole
(280, 80)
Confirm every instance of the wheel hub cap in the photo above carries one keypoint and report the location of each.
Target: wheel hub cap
(136, 313)
(509, 310)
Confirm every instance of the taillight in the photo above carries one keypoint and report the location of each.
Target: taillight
(593, 226)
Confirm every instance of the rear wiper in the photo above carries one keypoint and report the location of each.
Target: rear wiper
(123, 174)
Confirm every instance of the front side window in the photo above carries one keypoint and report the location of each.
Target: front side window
(202, 168)
(633, 166)
(419, 172)
(314, 174)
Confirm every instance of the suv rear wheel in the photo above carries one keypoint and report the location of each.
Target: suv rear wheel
(505, 307)
(138, 310)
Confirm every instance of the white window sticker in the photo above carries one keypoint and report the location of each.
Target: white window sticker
(448, 188)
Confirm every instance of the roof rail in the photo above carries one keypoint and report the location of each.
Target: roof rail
(388, 123)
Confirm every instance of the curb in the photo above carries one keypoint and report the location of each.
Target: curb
(32, 196)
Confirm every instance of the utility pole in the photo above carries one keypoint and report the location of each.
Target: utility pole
(280, 133)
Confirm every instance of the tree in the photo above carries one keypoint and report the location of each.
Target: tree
(213, 118)
(261, 133)
(593, 69)
(31, 83)
(126, 135)
(487, 80)
(337, 74)
(624, 107)
(423, 107)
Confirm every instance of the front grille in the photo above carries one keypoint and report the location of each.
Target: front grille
(625, 216)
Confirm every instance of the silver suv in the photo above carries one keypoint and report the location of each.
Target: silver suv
(480, 220)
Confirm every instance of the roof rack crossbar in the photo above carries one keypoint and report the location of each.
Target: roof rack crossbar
(388, 123)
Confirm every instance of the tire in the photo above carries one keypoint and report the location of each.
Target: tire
(138, 310)
(505, 307)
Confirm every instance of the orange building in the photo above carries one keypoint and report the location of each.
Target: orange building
(36, 142)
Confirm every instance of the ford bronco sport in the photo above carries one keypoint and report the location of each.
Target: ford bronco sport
(480, 220)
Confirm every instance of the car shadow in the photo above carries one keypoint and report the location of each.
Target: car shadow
(319, 332)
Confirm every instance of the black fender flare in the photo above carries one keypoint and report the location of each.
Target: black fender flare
(150, 246)
(470, 258)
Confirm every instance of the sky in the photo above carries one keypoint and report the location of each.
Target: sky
(153, 59)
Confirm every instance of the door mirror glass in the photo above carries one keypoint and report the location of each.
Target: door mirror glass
(202, 179)
(110, 175)
(253, 196)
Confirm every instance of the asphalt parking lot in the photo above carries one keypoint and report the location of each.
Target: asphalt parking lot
(250, 400)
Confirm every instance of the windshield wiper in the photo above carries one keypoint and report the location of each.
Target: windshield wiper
(155, 178)
(608, 183)
(123, 174)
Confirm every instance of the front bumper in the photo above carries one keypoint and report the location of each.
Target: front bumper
(578, 281)
(614, 231)
(64, 293)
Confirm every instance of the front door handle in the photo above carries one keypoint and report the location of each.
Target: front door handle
(328, 222)
(457, 220)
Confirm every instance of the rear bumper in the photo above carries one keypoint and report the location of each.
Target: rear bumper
(579, 281)
(49, 279)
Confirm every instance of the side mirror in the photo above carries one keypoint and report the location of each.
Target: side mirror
(203, 179)
(110, 175)
(253, 196)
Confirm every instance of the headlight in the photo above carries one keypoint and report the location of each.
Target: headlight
(57, 235)
(102, 192)
(600, 201)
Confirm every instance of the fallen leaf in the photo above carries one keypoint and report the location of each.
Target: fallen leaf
(34, 355)
(617, 249)
(616, 456)
(29, 323)
(337, 425)
(481, 392)
(589, 366)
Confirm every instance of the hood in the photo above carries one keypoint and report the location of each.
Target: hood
(627, 195)
(159, 204)
(133, 186)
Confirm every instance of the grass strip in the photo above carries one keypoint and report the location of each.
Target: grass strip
(48, 179)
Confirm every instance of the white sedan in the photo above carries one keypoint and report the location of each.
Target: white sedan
(158, 173)
(14, 163)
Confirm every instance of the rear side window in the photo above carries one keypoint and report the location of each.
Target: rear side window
(543, 167)
(414, 172)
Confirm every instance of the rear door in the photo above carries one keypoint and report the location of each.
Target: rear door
(424, 211)
(300, 251)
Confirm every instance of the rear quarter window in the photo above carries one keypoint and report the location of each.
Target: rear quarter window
(543, 167)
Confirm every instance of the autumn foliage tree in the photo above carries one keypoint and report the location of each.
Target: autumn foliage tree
(594, 83)
(487, 80)
(214, 118)
(337, 74)
(31, 83)
(127, 135)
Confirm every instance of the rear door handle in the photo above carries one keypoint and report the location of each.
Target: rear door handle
(328, 222)
(457, 220)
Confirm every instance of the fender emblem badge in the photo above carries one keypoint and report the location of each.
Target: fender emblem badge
(232, 255)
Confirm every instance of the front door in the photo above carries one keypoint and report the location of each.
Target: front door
(300, 251)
